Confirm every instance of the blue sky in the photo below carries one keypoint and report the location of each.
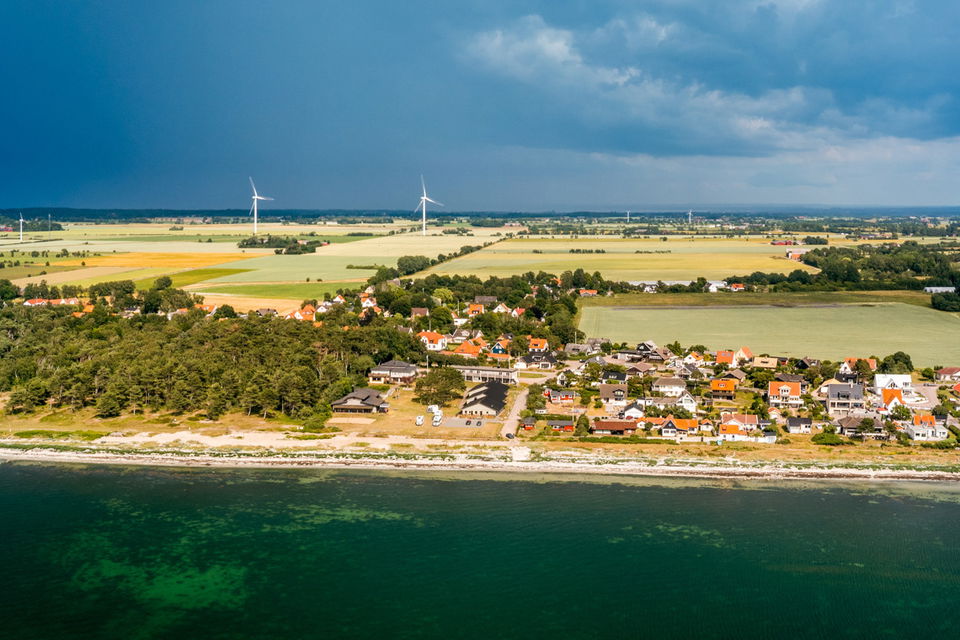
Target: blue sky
(518, 105)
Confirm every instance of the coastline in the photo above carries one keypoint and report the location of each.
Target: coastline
(454, 463)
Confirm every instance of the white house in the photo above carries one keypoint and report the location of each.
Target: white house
(670, 386)
(900, 381)
(927, 432)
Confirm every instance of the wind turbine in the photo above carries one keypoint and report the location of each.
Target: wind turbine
(423, 205)
(253, 209)
(21, 226)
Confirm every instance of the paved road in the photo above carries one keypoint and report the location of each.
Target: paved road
(512, 423)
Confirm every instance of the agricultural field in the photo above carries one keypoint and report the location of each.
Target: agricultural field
(646, 259)
(826, 329)
(291, 291)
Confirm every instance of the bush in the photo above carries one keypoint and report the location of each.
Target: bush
(829, 439)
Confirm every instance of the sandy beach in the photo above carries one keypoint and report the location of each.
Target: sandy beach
(516, 460)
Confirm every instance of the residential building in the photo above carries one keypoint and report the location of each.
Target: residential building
(784, 394)
(361, 401)
(613, 427)
(723, 389)
(948, 374)
(487, 374)
(924, 428)
(393, 372)
(432, 340)
(565, 425)
(900, 381)
(765, 362)
(844, 399)
(669, 386)
(799, 425)
(487, 399)
(613, 395)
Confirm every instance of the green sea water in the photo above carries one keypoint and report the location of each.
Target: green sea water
(123, 552)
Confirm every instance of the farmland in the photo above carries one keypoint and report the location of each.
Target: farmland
(647, 259)
(823, 329)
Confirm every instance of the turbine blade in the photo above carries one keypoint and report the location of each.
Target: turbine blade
(253, 186)
(435, 202)
(424, 185)
(263, 198)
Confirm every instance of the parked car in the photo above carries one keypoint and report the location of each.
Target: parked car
(419, 421)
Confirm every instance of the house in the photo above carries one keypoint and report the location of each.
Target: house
(939, 289)
(684, 401)
(361, 401)
(537, 345)
(537, 361)
(851, 426)
(475, 310)
(588, 293)
(634, 411)
(518, 312)
(613, 395)
(564, 425)
(639, 369)
(844, 399)
(528, 423)
(799, 425)
(849, 365)
(925, 428)
(577, 349)
(948, 374)
(807, 363)
(723, 389)
(891, 398)
(724, 357)
(764, 362)
(737, 286)
(432, 340)
(468, 349)
(614, 377)
(561, 396)
(500, 346)
(669, 386)
(784, 394)
(673, 427)
(486, 399)
(732, 433)
(393, 372)
(744, 421)
(419, 312)
(892, 381)
(792, 377)
(487, 374)
(735, 374)
(485, 300)
(742, 355)
(613, 427)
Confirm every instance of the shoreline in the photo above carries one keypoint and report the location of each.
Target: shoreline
(369, 462)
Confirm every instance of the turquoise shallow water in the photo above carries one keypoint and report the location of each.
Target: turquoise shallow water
(104, 552)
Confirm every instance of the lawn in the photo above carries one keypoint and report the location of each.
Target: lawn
(678, 258)
(831, 332)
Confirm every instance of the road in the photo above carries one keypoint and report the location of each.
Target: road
(512, 422)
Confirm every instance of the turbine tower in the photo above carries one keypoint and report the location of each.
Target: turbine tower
(253, 209)
(423, 206)
(21, 226)
(690, 217)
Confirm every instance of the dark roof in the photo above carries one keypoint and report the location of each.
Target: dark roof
(789, 377)
(566, 422)
(799, 422)
(365, 396)
(851, 391)
(489, 394)
(396, 365)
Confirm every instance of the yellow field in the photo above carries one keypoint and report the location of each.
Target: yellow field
(167, 260)
(647, 259)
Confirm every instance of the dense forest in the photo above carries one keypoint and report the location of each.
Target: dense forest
(186, 364)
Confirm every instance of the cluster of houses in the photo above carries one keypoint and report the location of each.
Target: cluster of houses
(690, 383)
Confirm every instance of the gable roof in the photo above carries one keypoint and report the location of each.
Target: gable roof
(889, 395)
(723, 384)
(776, 388)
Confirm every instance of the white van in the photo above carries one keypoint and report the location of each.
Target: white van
(419, 421)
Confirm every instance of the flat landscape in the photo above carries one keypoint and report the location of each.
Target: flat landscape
(821, 329)
(678, 258)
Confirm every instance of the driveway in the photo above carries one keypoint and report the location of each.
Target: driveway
(512, 423)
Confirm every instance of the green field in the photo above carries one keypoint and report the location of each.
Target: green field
(298, 291)
(830, 332)
(193, 276)
(678, 258)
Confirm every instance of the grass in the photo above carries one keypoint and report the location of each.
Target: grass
(728, 298)
(60, 435)
(831, 332)
(676, 259)
(301, 291)
(155, 259)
